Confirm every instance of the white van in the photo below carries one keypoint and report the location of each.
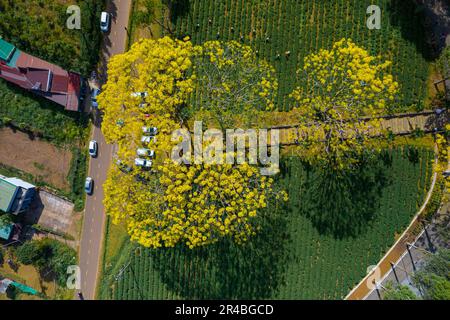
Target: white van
(105, 21)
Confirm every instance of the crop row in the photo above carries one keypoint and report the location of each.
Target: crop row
(291, 258)
(274, 28)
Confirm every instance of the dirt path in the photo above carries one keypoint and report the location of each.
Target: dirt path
(396, 251)
(37, 157)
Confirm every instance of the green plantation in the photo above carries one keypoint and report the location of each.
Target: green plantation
(29, 113)
(304, 250)
(284, 32)
(39, 28)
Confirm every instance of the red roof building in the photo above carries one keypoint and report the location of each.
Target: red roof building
(40, 77)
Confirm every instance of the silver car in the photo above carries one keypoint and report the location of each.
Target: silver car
(153, 131)
(105, 21)
(93, 148)
(89, 185)
(148, 139)
(144, 152)
(139, 162)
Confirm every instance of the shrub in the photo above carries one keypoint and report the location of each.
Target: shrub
(48, 255)
(27, 253)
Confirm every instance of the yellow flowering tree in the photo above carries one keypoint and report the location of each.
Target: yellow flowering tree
(233, 82)
(343, 87)
(146, 86)
(178, 203)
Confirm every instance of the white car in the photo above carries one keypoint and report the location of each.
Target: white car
(142, 163)
(153, 131)
(105, 21)
(143, 152)
(89, 185)
(93, 148)
(148, 139)
(139, 94)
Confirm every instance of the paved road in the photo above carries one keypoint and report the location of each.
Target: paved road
(94, 217)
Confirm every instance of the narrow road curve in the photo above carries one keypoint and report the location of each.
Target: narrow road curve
(94, 216)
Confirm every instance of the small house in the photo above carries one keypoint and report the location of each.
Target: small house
(16, 195)
(40, 77)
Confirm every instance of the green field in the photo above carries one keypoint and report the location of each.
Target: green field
(39, 28)
(304, 251)
(274, 27)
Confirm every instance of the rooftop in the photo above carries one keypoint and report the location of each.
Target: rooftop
(5, 231)
(7, 192)
(6, 50)
(39, 76)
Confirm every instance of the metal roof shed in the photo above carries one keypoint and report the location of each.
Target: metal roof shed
(8, 193)
(6, 50)
(6, 231)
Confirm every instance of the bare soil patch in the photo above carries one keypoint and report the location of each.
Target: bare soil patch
(37, 157)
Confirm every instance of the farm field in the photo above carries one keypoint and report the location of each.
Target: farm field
(39, 28)
(37, 157)
(303, 250)
(284, 32)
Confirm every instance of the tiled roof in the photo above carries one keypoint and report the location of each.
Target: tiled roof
(42, 77)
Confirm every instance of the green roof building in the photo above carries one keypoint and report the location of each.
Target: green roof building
(6, 50)
(5, 231)
(7, 194)
(8, 53)
(15, 195)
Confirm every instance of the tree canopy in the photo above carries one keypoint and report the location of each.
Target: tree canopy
(434, 278)
(150, 86)
(233, 83)
(344, 86)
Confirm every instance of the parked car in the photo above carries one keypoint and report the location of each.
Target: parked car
(94, 94)
(144, 152)
(93, 148)
(153, 131)
(123, 167)
(143, 163)
(105, 21)
(83, 88)
(139, 94)
(148, 139)
(89, 185)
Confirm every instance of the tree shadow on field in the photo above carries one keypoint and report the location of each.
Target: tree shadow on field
(178, 8)
(343, 204)
(225, 270)
(410, 17)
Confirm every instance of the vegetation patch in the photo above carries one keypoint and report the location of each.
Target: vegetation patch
(285, 32)
(305, 253)
(39, 28)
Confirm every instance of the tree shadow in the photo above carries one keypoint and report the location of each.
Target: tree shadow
(178, 8)
(410, 17)
(226, 270)
(342, 205)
